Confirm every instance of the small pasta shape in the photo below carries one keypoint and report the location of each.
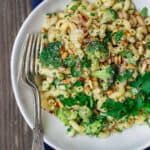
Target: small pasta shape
(140, 20)
(140, 32)
(147, 38)
(127, 4)
(118, 6)
(147, 21)
(119, 93)
(108, 3)
(102, 32)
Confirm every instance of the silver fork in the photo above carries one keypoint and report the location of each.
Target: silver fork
(30, 76)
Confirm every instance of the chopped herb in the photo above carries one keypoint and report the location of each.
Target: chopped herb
(118, 36)
(130, 107)
(45, 36)
(148, 45)
(84, 7)
(80, 99)
(144, 12)
(74, 7)
(50, 55)
(78, 83)
(142, 83)
(92, 14)
(108, 37)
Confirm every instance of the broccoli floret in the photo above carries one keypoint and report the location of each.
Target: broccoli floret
(50, 55)
(109, 15)
(65, 115)
(97, 51)
(92, 128)
(107, 75)
(85, 113)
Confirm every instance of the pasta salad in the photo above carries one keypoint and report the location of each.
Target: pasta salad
(95, 66)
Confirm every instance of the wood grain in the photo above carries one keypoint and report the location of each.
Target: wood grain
(14, 132)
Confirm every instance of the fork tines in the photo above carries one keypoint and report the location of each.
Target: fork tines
(32, 48)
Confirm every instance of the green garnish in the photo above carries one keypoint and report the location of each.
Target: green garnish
(118, 36)
(45, 36)
(92, 14)
(108, 37)
(50, 55)
(74, 7)
(142, 83)
(144, 12)
(148, 45)
(130, 107)
(84, 7)
(80, 99)
(78, 83)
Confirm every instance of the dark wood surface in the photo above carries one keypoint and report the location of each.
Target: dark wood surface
(14, 132)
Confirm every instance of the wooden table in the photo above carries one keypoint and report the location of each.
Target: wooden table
(14, 132)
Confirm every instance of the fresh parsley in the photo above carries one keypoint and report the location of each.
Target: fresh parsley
(148, 45)
(144, 12)
(74, 7)
(142, 83)
(129, 107)
(80, 99)
(78, 83)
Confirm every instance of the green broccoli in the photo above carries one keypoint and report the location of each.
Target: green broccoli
(107, 75)
(85, 113)
(65, 115)
(97, 51)
(50, 55)
(92, 128)
(109, 15)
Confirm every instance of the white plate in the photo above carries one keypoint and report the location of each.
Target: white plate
(135, 138)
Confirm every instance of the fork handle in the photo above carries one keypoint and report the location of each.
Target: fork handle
(38, 143)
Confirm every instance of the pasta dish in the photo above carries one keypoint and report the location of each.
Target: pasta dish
(95, 66)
